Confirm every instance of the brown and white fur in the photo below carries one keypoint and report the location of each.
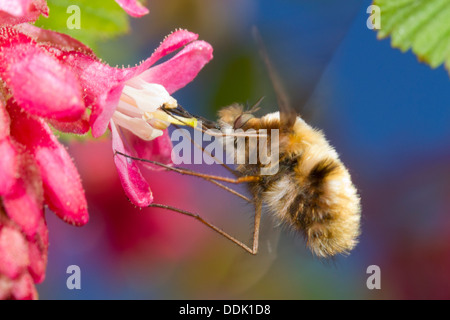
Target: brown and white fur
(312, 190)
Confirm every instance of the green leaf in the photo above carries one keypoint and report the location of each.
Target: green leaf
(99, 20)
(70, 137)
(420, 25)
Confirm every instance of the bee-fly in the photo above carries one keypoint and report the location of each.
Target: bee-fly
(312, 191)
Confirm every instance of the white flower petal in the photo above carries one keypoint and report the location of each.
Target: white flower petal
(129, 110)
(137, 126)
(149, 96)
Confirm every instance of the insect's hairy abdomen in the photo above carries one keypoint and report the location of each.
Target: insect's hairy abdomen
(317, 198)
(312, 192)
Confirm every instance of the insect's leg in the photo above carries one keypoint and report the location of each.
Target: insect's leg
(209, 225)
(229, 190)
(193, 173)
(257, 225)
(209, 154)
(188, 172)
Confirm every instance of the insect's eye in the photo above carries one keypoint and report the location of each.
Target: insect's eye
(242, 120)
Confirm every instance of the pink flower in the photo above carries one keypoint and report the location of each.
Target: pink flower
(35, 169)
(51, 78)
(129, 100)
(19, 11)
(138, 109)
(22, 260)
(133, 7)
(37, 87)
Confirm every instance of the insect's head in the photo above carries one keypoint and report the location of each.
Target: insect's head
(242, 120)
(236, 117)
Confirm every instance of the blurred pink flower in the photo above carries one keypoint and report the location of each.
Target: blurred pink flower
(125, 231)
(19, 11)
(133, 7)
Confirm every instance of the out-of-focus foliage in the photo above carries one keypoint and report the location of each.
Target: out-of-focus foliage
(99, 19)
(423, 26)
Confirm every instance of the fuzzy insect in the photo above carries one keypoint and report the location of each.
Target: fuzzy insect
(311, 192)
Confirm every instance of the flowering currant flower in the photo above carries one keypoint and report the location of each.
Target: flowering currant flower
(138, 110)
(128, 100)
(50, 78)
(35, 88)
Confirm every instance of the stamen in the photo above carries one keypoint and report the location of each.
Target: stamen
(139, 109)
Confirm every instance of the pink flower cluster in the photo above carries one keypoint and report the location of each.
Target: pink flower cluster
(49, 78)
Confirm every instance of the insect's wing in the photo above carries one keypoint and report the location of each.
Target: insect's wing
(319, 55)
(247, 270)
(287, 113)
